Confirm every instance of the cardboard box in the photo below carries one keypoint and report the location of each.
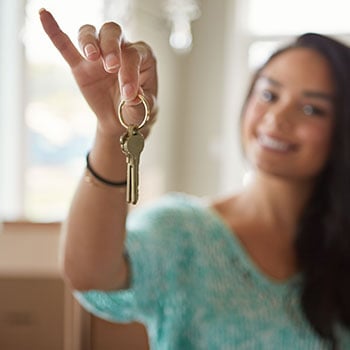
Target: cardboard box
(31, 314)
(37, 310)
(112, 336)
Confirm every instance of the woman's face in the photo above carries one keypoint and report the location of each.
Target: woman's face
(289, 117)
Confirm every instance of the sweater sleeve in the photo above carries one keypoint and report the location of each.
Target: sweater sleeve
(158, 248)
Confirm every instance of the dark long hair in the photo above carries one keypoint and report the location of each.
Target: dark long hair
(322, 243)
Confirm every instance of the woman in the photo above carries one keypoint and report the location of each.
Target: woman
(263, 269)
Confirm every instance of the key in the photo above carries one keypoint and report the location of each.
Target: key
(123, 140)
(133, 144)
(128, 169)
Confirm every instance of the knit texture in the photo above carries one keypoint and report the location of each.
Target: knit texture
(194, 286)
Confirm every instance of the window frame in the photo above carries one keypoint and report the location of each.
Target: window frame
(12, 102)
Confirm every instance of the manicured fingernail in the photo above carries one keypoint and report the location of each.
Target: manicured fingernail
(90, 50)
(111, 61)
(127, 92)
(42, 10)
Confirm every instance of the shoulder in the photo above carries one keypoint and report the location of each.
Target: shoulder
(227, 208)
(171, 209)
(175, 216)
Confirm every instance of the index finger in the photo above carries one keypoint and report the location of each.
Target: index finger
(60, 39)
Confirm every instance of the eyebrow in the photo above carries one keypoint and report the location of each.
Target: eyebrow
(270, 80)
(307, 93)
(319, 95)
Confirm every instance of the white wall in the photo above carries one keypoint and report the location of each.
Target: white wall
(191, 145)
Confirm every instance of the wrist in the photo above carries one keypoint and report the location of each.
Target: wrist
(107, 158)
(109, 132)
(92, 176)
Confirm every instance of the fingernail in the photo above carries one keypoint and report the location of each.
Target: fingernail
(127, 92)
(111, 61)
(42, 10)
(90, 50)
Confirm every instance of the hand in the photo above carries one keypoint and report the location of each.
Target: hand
(110, 69)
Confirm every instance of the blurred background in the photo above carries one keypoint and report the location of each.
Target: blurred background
(206, 50)
(206, 53)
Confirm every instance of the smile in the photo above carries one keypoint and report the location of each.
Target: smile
(273, 144)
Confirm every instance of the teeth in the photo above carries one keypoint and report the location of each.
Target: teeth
(273, 143)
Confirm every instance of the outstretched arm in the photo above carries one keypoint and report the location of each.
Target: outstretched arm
(109, 69)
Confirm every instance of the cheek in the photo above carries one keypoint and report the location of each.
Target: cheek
(251, 117)
(317, 135)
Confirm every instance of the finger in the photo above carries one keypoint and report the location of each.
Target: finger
(88, 42)
(110, 37)
(133, 58)
(60, 39)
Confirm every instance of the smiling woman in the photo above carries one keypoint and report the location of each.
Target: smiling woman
(212, 273)
(289, 118)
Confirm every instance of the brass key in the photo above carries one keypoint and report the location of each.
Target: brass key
(123, 139)
(132, 145)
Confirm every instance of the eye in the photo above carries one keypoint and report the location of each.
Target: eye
(312, 110)
(267, 96)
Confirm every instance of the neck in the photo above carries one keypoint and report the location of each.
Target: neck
(276, 202)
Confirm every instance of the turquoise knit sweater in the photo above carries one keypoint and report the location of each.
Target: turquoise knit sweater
(194, 286)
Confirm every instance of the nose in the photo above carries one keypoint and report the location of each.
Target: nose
(280, 115)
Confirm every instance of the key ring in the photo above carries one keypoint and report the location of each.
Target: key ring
(145, 118)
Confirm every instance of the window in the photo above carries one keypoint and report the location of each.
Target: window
(276, 18)
(45, 125)
(58, 124)
(272, 22)
(46, 128)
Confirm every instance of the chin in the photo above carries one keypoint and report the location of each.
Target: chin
(277, 168)
(286, 175)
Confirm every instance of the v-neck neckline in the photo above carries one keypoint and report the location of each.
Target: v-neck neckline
(245, 258)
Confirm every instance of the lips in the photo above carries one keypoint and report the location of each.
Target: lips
(274, 144)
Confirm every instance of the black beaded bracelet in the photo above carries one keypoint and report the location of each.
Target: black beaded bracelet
(100, 178)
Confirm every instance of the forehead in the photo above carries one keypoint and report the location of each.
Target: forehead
(301, 68)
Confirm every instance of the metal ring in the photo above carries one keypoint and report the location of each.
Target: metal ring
(145, 118)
